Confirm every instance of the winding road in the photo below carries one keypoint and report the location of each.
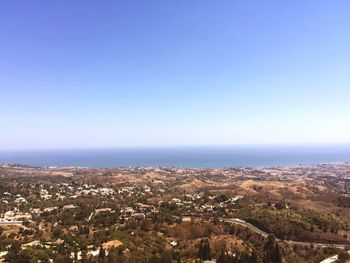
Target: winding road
(291, 242)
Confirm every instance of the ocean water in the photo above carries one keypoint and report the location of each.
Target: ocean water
(191, 157)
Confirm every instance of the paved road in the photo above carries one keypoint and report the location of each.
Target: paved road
(291, 242)
(331, 259)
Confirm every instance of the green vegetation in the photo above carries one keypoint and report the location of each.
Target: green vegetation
(91, 217)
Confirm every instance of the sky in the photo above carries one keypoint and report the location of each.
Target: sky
(85, 74)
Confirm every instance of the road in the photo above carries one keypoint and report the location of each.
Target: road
(332, 259)
(291, 242)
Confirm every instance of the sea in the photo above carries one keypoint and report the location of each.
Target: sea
(186, 157)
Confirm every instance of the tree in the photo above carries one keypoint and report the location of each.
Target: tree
(204, 250)
(343, 257)
(271, 251)
(165, 257)
(62, 259)
(101, 255)
(12, 255)
(57, 232)
(115, 256)
(254, 257)
(222, 257)
(84, 256)
(153, 259)
(221, 198)
(16, 255)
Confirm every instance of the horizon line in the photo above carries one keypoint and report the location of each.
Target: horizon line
(159, 147)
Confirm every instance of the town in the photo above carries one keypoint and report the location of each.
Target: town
(77, 214)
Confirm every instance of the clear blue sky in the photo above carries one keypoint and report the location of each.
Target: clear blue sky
(76, 74)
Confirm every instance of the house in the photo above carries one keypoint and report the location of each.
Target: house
(106, 191)
(173, 243)
(66, 207)
(35, 211)
(58, 242)
(138, 216)
(237, 197)
(50, 209)
(34, 243)
(60, 197)
(111, 244)
(14, 217)
(21, 200)
(186, 219)
(3, 254)
(176, 200)
(129, 210)
(103, 210)
(44, 194)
